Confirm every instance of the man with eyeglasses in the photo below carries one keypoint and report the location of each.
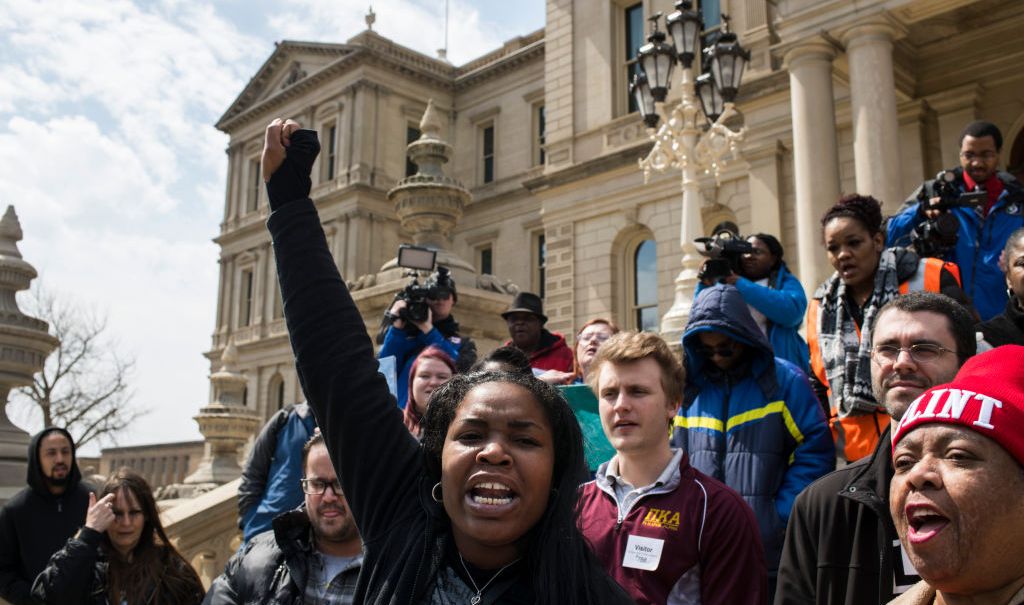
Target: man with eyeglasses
(841, 545)
(749, 418)
(983, 230)
(313, 554)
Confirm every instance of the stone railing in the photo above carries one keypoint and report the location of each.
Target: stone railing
(205, 529)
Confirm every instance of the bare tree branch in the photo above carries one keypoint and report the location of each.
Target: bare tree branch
(85, 385)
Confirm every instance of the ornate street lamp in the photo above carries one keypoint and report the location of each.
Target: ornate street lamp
(656, 59)
(728, 59)
(685, 26)
(641, 92)
(710, 96)
(684, 142)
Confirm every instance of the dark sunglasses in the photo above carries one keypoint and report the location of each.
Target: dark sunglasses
(723, 351)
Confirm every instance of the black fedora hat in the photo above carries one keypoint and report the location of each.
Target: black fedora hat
(526, 302)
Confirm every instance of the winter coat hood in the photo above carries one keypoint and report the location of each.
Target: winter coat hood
(35, 477)
(721, 308)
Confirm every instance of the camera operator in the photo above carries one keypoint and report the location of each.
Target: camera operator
(405, 339)
(981, 230)
(774, 295)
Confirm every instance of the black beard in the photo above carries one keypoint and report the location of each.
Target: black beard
(59, 482)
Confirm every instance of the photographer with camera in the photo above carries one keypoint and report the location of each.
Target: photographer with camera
(774, 295)
(943, 219)
(421, 316)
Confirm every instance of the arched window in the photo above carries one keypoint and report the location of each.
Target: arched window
(644, 287)
(276, 392)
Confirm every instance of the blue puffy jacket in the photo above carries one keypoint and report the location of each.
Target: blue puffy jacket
(980, 241)
(759, 428)
(406, 348)
(784, 303)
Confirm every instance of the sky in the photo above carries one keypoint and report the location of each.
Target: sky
(109, 155)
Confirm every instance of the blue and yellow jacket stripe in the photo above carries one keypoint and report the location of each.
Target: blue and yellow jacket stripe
(760, 428)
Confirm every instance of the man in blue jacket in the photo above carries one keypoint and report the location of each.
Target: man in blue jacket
(983, 230)
(439, 329)
(748, 418)
(774, 297)
(271, 475)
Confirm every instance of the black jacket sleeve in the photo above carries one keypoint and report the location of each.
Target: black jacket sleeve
(69, 577)
(467, 355)
(799, 565)
(13, 587)
(375, 456)
(257, 468)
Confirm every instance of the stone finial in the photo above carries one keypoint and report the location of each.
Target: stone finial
(430, 123)
(10, 233)
(371, 18)
(229, 358)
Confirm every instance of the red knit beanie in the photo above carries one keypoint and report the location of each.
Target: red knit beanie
(986, 396)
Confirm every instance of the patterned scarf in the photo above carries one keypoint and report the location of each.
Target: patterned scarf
(845, 351)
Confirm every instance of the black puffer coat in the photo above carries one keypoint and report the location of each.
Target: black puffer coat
(271, 569)
(77, 575)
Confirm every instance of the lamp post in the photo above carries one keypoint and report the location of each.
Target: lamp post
(683, 141)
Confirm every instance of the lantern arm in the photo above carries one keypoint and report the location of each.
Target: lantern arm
(661, 157)
(719, 145)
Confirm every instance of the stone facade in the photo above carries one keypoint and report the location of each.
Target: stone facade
(838, 97)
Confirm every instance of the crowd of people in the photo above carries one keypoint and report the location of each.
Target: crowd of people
(719, 483)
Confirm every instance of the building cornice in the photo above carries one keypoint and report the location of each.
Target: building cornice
(622, 157)
(368, 48)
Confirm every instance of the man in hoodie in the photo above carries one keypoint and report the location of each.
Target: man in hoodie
(37, 521)
(748, 418)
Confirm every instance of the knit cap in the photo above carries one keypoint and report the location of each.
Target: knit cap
(987, 396)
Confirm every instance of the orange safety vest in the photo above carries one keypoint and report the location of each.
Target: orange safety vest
(857, 435)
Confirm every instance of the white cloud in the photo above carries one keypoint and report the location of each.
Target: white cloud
(108, 152)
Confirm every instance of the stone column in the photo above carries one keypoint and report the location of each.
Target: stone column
(815, 156)
(876, 140)
(954, 109)
(764, 181)
(24, 344)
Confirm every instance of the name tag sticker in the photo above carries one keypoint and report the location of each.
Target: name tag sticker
(643, 553)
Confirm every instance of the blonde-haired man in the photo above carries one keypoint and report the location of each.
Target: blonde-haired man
(665, 532)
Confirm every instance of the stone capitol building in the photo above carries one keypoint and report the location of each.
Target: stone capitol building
(837, 97)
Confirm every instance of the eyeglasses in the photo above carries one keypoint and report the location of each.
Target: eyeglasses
(986, 156)
(723, 351)
(598, 337)
(318, 487)
(921, 353)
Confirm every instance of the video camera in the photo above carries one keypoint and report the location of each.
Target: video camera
(439, 285)
(724, 251)
(936, 236)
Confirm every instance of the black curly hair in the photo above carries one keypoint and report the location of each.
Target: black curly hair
(863, 208)
(558, 560)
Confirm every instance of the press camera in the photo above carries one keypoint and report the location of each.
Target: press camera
(437, 286)
(723, 251)
(936, 236)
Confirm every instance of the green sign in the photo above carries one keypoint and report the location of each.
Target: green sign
(584, 404)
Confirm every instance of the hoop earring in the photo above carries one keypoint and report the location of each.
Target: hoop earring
(433, 494)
